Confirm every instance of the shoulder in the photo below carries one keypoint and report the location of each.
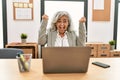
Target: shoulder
(71, 33)
(51, 31)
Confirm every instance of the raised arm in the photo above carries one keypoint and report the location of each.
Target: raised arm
(42, 37)
(82, 32)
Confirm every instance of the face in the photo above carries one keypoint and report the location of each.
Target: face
(62, 24)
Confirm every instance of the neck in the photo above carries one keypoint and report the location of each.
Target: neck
(62, 34)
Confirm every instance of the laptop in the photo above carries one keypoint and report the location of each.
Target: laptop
(65, 59)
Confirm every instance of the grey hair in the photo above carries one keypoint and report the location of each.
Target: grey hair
(57, 16)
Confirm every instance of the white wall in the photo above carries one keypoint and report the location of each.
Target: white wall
(15, 28)
(100, 31)
(73, 11)
(118, 29)
(1, 26)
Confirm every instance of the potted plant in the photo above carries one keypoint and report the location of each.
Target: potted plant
(23, 37)
(112, 44)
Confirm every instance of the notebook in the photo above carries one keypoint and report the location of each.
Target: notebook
(65, 59)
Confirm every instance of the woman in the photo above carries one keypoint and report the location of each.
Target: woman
(61, 33)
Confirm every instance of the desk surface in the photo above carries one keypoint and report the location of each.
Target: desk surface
(9, 71)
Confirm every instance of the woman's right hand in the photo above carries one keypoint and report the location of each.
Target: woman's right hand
(45, 17)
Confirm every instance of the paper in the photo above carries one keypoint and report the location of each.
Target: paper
(25, 5)
(15, 4)
(23, 13)
(20, 5)
(98, 4)
(30, 5)
(20, 0)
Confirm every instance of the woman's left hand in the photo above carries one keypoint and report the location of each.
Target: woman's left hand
(82, 20)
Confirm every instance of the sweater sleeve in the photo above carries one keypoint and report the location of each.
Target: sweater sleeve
(82, 35)
(42, 36)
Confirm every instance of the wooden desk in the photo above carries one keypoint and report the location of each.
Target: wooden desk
(26, 47)
(9, 71)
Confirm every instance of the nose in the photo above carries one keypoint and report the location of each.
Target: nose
(62, 23)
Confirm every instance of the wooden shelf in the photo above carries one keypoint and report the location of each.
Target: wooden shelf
(26, 47)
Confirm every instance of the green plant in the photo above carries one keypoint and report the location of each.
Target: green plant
(23, 36)
(112, 42)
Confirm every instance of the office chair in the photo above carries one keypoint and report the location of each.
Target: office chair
(9, 53)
